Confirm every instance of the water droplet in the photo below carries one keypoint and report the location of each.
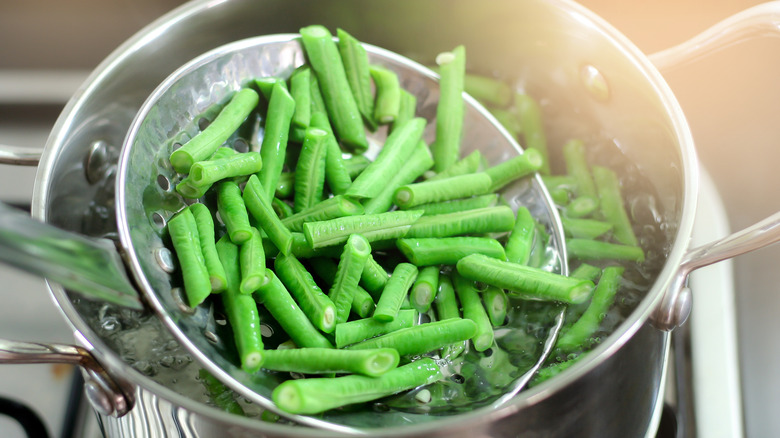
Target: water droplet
(594, 82)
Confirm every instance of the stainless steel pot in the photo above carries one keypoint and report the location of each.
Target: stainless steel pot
(584, 69)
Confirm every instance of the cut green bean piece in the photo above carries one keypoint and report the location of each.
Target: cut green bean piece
(350, 266)
(585, 228)
(252, 262)
(525, 280)
(446, 302)
(374, 277)
(313, 301)
(281, 208)
(315, 395)
(423, 338)
(285, 186)
(424, 289)
(241, 310)
(359, 330)
(328, 360)
(509, 120)
(612, 208)
(336, 173)
(520, 242)
(325, 60)
(210, 171)
(577, 167)
(273, 149)
(362, 302)
(533, 128)
(589, 249)
(233, 212)
(281, 305)
(420, 161)
(300, 90)
(202, 145)
(470, 164)
(356, 164)
(488, 90)
(266, 85)
(450, 109)
(186, 244)
(189, 189)
(331, 208)
(388, 94)
(205, 225)
(457, 205)
(407, 109)
(395, 291)
(496, 305)
(357, 69)
(392, 157)
(576, 336)
(380, 226)
(262, 210)
(581, 207)
(514, 168)
(448, 250)
(317, 103)
(447, 189)
(587, 272)
(310, 170)
(477, 221)
(473, 309)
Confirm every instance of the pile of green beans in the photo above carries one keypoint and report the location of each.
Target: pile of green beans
(345, 252)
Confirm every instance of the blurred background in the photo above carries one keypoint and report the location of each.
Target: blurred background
(731, 99)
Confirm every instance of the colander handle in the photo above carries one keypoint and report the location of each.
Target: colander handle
(20, 156)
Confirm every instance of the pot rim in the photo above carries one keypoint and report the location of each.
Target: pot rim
(588, 363)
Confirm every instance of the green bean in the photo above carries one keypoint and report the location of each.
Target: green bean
(336, 174)
(273, 149)
(262, 210)
(362, 302)
(331, 208)
(552, 370)
(407, 109)
(233, 212)
(300, 90)
(315, 395)
(388, 94)
(450, 109)
(533, 128)
(317, 103)
(457, 205)
(202, 145)
(398, 147)
(496, 305)
(477, 221)
(521, 240)
(310, 170)
(589, 249)
(350, 266)
(514, 168)
(525, 280)
(314, 303)
(211, 171)
(361, 329)
(576, 336)
(356, 67)
(423, 290)
(205, 225)
(577, 167)
(509, 120)
(418, 163)
(456, 187)
(448, 250)
(252, 262)
(611, 202)
(325, 60)
(487, 90)
(241, 310)
(281, 305)
(373, 227)
(188, 189)
(220, 393)
(446, 302)
(395, 291)
(587, 272)
(374, 277)
(581, 206)
(281, 208)
(470, 164)
(186, 243)
(285, 186)
(356, 164)
(473, 309)
(561, 187)
(266, 85)
(422, 338)
(585, 228)
(328, 360)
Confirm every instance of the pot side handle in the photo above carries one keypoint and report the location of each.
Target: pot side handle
(759, 21)
(20, 156)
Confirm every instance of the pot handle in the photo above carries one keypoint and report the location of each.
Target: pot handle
(759, 21)
(102, 391)
(20, 156)
(89, 266)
